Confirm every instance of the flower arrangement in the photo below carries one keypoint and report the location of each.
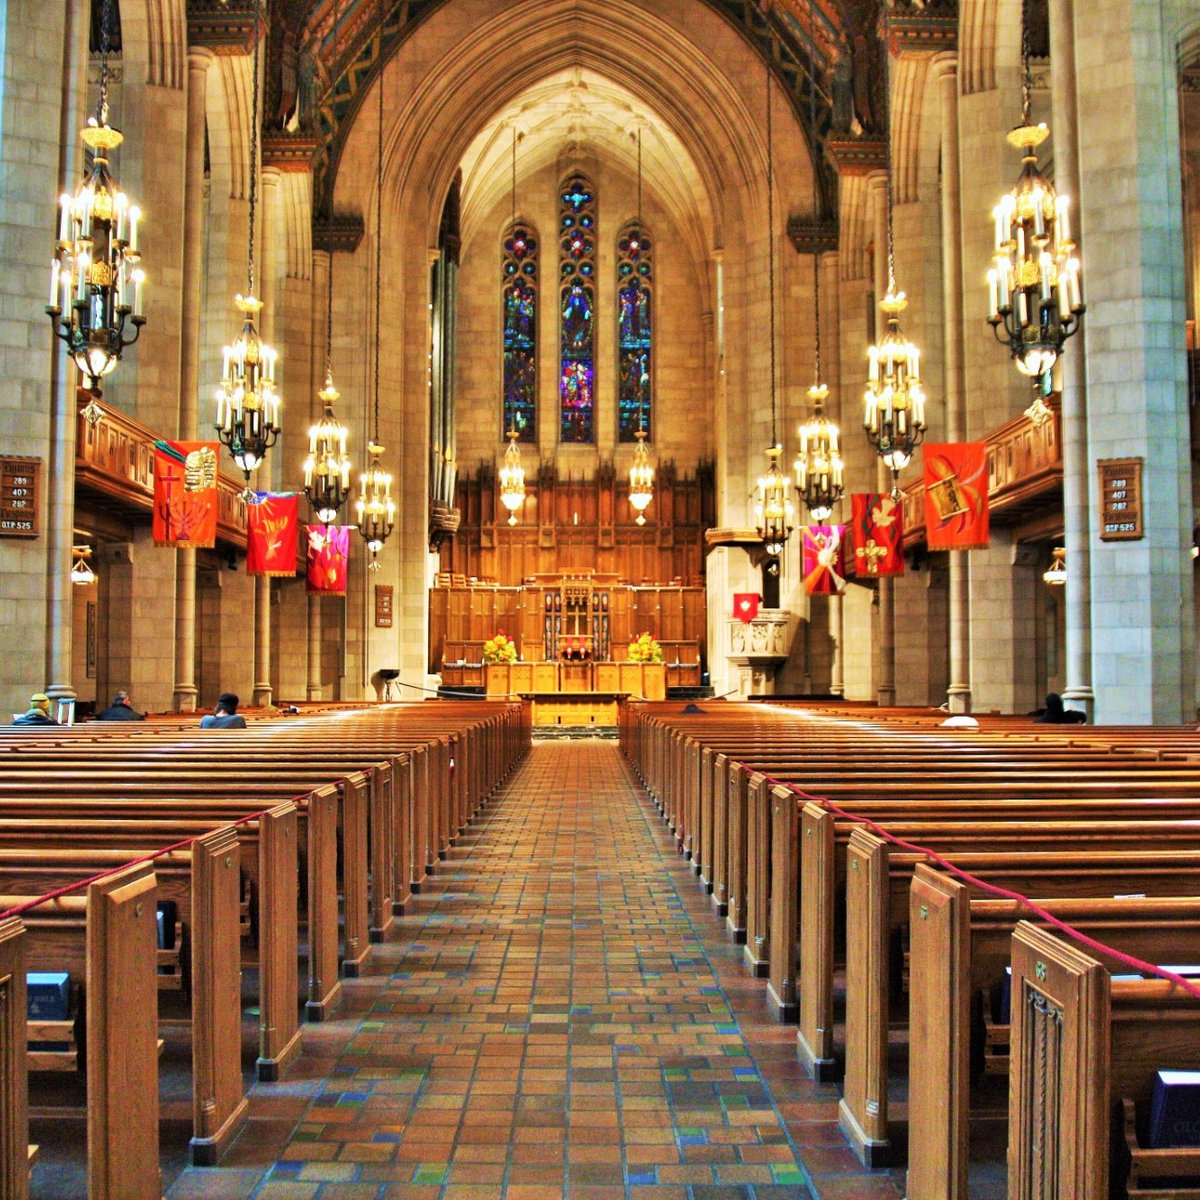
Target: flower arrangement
(500, 649)
(645, 649)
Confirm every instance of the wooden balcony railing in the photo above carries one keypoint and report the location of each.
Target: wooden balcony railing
(1024, 475)
(114, 463)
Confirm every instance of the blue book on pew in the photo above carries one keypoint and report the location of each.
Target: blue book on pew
(48, 996)
(1175, 1110)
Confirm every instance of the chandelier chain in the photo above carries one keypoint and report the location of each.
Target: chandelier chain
(887, 125)
(1026, 66)
(105, 47)
(378, 236)
(812, 126)
(253, 146)
(771, 246)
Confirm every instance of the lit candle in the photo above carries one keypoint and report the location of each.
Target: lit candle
(64, 219)
(1020, 243)
(85, 224)
(55, 271)
(66, 289)
(1064, 220)
(1002, 279)
(81, 290)
(135, 215)
(1044, 265)
(121, 203)
(993, 293)
(139, 277)
(1076, 299)
(1039, 225)
(1064, 301)
(1022, 309)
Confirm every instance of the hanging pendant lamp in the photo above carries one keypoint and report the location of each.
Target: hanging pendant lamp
(375, 508)
(96, 280)
(774, 513)
(248, 406)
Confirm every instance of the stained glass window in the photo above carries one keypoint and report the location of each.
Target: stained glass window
(577, 294)
(635, 309)
(520, 275)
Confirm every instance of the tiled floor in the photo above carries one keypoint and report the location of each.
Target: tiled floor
(562, 1016)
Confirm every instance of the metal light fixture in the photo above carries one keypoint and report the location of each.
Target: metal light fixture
(327, 467)
(96, 281)
(818, 463)
(894, 402)
(81, 571)
(774, 513)
(512, 473)
(1034, 297)
(375, 508)
(247, 402)
(641, 470)
(1056, 574)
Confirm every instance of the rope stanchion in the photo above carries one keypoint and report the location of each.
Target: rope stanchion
(1129, 960)
(153, 856)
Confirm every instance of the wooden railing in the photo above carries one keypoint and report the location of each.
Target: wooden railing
(114, 460)
(1024, 474)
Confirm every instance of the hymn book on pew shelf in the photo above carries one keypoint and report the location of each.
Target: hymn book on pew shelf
(1175, 1110)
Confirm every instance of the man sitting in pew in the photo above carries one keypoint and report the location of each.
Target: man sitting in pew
(1056, 714)
(120, 710)
(226, 715)
(38, 712)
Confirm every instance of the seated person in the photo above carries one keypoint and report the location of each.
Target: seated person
(120, 710)
(1055, 714)
(39, 711)
(226, 715)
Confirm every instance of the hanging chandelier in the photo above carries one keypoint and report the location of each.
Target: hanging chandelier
(248, 406)
(1034, 296)
(774, 514)
(95, 277)
(375, 508)
(894, 402)
(512, 478)
(512, 473)
(81, 569)
(327, 467)
(818, 464)
(1056, 574)
(641, 469)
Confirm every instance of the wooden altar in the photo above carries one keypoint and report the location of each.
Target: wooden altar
(645, 681)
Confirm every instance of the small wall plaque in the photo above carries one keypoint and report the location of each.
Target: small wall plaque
(1120, 499)
(20, 495)
(383, 605)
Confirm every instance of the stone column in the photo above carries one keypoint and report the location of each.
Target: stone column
(263, 691)
(60, 476)
(1130, 210)
(1077, 592)
(945, 74)
(885, 688)
(199, 60)
(831, 340)
(320, 289)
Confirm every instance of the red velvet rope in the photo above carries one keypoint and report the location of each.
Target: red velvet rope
(1189, 986)
(18, 909)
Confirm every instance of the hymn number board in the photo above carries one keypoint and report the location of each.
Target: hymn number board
(20, 492)
(1120, 499)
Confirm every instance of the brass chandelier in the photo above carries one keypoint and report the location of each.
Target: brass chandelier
(95, 277)
(248, 406)
(774, 513)
(375, 508)
(1034, 296)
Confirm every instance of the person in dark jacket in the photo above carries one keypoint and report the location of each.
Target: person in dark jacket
(226, 715)
(1055, 714)
(120, 710)
(39, 711)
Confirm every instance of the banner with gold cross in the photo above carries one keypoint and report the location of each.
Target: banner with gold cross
(877, 530)
(185, 494)
(824, 568)
(956, 496)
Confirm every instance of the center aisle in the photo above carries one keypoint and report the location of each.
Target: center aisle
(561, 1017)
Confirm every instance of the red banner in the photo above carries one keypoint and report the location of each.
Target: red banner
(745, 606)
(824, 567)
(185, 494)
(271, 530)
(877, 525)
(956, 496)
(328, 559)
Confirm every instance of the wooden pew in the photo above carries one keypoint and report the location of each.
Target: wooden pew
(1082, 1044)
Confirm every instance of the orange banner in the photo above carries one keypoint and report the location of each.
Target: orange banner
(328, 559)
(271, 531)
(185, 494)
(877, 525)
(956, 496)
(824, 567)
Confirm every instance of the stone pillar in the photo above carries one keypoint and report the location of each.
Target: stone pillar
(1077, 592)
(885, 691)
(60, 475)
(263, 691)
(199, 60)
(1130, 215)
(945, 74)
(831, 337)
(320, 289)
